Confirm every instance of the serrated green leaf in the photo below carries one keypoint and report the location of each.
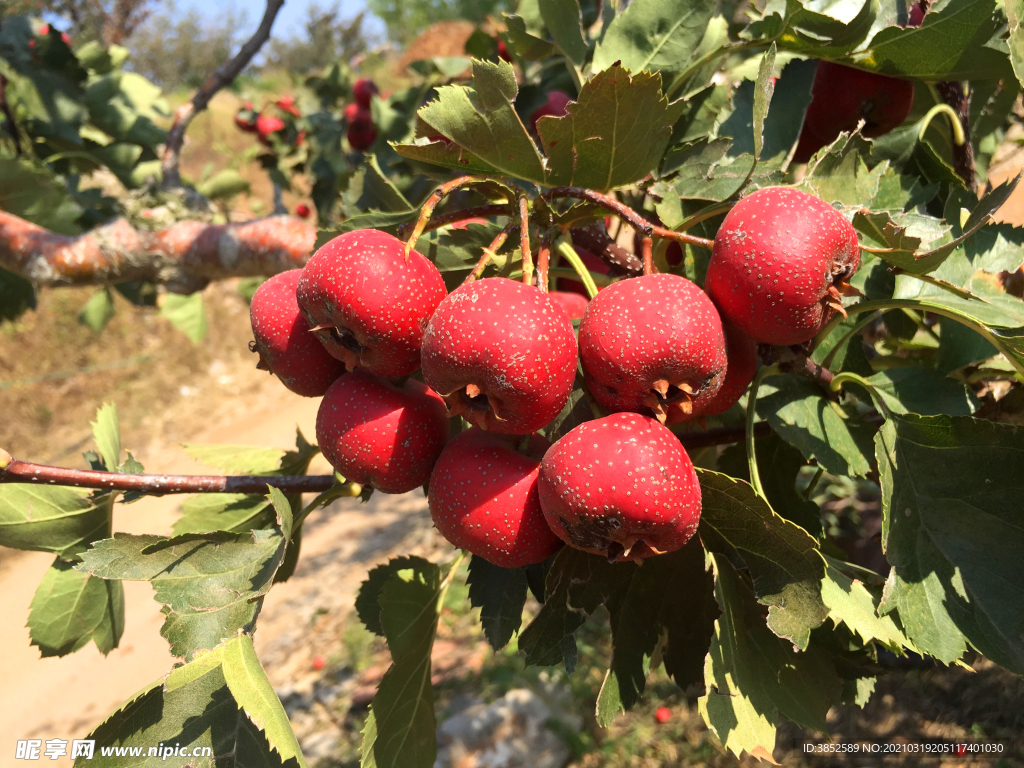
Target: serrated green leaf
(106, 431)
(615, 133)
(838, 173)
(923, 390)
(654, 35)
(255, 695)
(369, 189)
(801, 414)
(210, 584)
(98, 310)
(223, 185)
(234, 512)
(186, 313)
(763, 90)
(1014, 10)
(455, 252)
(953, 535)
(754, 677)
(237, 459)
(849, 602)
(70, 608)
(525, 46)
(52, 518)
(283, 508)
(565, 23)
(31, 192)
(706, 171)
(783, 559)
(500, 594)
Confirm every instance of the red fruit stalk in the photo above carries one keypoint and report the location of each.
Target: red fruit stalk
(367, 303)
(380, 435)
(653, 345)
(501, 354)
(621, 486)
(286, 347)
(780, 263)
(483, 498)
(741, 351)
(841, 96)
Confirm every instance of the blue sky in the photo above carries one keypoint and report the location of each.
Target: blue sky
(289, 19)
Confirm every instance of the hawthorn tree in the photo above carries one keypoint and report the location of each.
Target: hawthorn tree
(682, 125)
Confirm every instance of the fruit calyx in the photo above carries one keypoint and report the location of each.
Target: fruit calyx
(473, 404)
(348, 345)
(664, 398)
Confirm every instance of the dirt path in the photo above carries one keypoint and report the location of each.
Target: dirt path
(65, 698)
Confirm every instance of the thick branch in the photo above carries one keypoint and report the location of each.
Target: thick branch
(183, 257)
(224, 75)
(596, 239)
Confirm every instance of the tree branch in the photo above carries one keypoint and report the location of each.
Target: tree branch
(184, 257)
(224, 75)
(596, 239)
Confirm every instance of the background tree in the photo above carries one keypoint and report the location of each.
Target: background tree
(407, 18)
(326, 38)
(112, 21)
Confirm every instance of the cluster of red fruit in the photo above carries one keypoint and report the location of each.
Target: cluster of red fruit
(363, 315)
(361, 131)
(264, 126)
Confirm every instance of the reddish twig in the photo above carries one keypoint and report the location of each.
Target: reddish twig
(524, 239)
(543, 262)
(623, 211)
(183, 257)
(225, 74)
(646, 249)
(432, 202)
(682, 237)
(491, 250)
(455, 217)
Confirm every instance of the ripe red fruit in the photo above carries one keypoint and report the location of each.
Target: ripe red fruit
(286, 347)
(663, 715)
(287, 103)
(556, 106)
(620, 486)
(66, 38)
(653, 345)
(380, 435)
(741, 351)
(266, 125)
(44, 30)
(302, 210)
(354, 113)
(502, 354)
(483, 498)
(244, 123)
(573, 304)
(466, 222)
(917, 13)
(361, 136)
(319, 662)
(591, 262)
(779, 264)
(363, 91)
(841, 96)
(503, 53)
(369, 304)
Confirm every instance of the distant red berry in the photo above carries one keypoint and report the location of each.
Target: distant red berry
(31, 43)
(503, 53)
(361, 136)
(363, 91)
(663, 715)
(557, 104)
(266, 125)
(319, 662)
(287, 103)
(573, 304)
(245, 122)
(44, 30)
(302, 210)
(64, 36)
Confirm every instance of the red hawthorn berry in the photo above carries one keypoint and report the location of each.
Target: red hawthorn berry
(31, 43)
(741, 351)
(66, 38)
(503, 53)
(319, 662)
(483, 498)
(266, 125)
(355, 114)
(287, 103)
(841, 96)
(501, 354)
(780, 262)
(361, 136)
(466, 222)
(369, 303)
(653, 345)
(917, 13)
(381, 435)
(286, 347)
(363, 91)
(557, 105)
(44, 30)
(622, 487)
(243, 123)
(302, 210)
(573, 304)
(663, 715)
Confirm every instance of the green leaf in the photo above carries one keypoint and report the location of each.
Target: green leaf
(186, 313)
(953, 535)
(106, 431)
(255, 695)
(614, 135)
(98, 310)
(16, 295)
(565, 23)
(237, 459)
(368, 599)
(654, 35)
(1013, 11)
(849, 602)
(223, 185)
(283, 508)
(482, 122)
(706, 172)
(783, 559)
(805, 418)
(70, 608)
(923, 390)
(210, 584)
(234, 512)
(525, 46)
(403, 732)
(500, 594)
(52, 518)
(754, 677)
(370, 189)
(838, 173)
(763, 90)
(455, 252)
(37, 195)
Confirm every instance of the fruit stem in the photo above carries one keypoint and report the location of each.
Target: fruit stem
(954, 119)
(755, 477)
(524, 239)
(491, 251)
(448, 579)
(454, 217)
(569, 254)
(432, 202)
(543, 261)
(814, 483)
(846, 376)
(682, 237)
(623, 211)
(648, 257)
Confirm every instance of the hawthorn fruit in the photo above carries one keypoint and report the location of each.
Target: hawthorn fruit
(573, 304)
(501, 354)
(621, 486)
(361, 132)
(286, 347)
(741, 351)
(556, 106)
(367, 303)
(363, 91)
(483, 498)
(841, 96)
(653, 345)
(780, 263)
(302, 211)
(267, 124)
(379, 434)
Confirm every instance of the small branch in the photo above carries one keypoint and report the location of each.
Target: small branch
(9, 116)
(597, 240)
(623, 211)
(185, 256)
(454, 217)
(225, 74)
(524, 239)
(543, 262)
(491, 251)
(955, 96)
(432, 202)
(19, 471)
(682, 237)
(646, 249)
